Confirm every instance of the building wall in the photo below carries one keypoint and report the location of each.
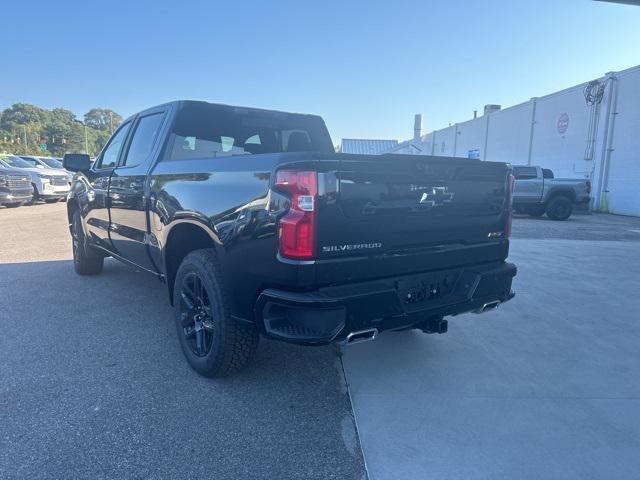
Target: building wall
(624, 166)
(560, 131)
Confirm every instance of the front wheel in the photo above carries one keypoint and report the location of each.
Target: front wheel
(559, 208)
(52, 200)
(13, 205)
(215, 345)
(85, 260)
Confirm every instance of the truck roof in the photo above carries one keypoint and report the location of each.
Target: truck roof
(182, 103)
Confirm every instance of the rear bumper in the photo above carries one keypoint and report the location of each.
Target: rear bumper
(330, 314)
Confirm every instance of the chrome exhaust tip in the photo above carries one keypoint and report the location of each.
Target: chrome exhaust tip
(488, 306)
(361, 336)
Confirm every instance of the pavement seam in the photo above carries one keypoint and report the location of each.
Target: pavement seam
(353, 412)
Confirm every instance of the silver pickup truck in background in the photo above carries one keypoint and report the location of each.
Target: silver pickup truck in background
(537, 192)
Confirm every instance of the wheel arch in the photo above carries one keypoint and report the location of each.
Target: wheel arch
(184, 237)
(562, 192)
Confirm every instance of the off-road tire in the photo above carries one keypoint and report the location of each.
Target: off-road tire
(85, 260)
(232, 345)
(559, 208)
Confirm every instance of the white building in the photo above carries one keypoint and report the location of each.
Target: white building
(591, 130)
(365, 146)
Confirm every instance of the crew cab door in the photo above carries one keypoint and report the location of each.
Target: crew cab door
(528, 185)
(96, 198)
(128, 192)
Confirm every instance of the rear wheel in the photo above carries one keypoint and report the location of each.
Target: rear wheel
(85, 260)
(214, 344)
(559, 208)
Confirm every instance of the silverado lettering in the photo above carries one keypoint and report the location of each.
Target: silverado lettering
(342, 248)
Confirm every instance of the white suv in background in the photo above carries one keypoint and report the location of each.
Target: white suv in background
(48, 184)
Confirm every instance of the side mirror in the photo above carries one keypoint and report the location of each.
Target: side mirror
(76, 162)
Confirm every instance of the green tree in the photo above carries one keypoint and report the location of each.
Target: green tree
(102, 119)
(58, 129)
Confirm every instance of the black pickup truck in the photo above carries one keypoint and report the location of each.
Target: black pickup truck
(258, 228)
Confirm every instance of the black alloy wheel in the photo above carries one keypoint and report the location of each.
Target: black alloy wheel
(195, 313)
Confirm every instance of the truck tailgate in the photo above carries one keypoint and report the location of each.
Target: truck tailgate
(397, 214)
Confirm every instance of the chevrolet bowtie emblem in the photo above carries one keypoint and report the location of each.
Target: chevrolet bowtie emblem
(436, 196)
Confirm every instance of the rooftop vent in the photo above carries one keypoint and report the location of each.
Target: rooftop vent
(491, 108)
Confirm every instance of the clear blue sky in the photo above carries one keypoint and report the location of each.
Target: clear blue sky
(367, 66)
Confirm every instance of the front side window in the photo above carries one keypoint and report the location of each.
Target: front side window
(144, 138)
(209, 131)
(109, 157)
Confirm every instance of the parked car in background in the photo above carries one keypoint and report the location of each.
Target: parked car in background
(15, 187)
(257, 226)
(537, 192)
(47, 184)
(49, 162)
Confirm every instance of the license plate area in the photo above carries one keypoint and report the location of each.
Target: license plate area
(435, 289)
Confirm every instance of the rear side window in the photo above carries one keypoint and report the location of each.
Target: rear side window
(525, 173)
(547, 173)
(206, 131)
(144, 139)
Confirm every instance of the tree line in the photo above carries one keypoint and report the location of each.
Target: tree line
(27, 129)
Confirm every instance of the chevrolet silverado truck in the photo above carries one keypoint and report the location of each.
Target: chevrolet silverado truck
(15, 187)
(257, 227)
(537, 192)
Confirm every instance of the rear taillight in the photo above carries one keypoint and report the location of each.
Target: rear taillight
(298, 227)
(509, 212)
(588, 186)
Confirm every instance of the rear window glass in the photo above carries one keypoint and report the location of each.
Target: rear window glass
(525, 173)
(205, 130)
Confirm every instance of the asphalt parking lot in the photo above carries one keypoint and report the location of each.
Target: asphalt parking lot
(94, 383)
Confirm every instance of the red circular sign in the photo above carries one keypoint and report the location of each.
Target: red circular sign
(563, 123)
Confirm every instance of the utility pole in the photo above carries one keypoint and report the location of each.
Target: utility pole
(24, 130)
(111, 122)
(86, 142)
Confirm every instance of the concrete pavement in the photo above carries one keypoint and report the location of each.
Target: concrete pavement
(546, 386)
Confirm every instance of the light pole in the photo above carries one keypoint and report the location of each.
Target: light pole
(24, 131)
(86, 139)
